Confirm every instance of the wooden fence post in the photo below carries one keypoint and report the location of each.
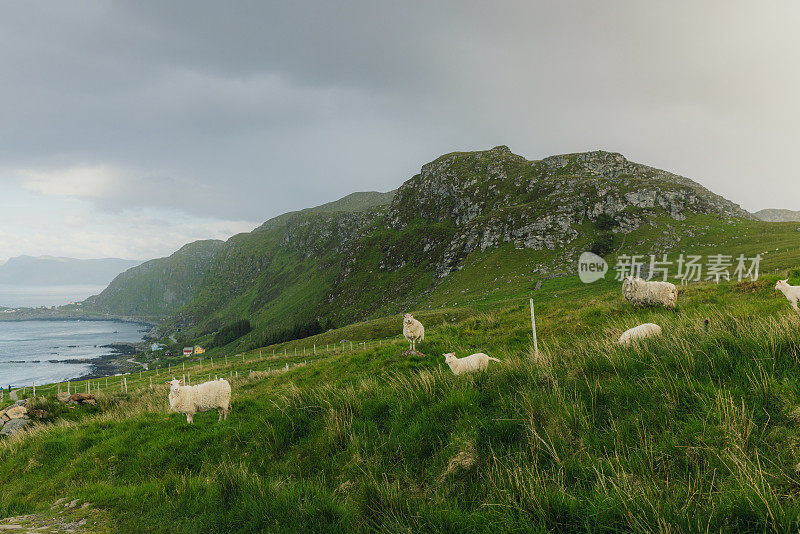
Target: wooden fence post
(533, 326)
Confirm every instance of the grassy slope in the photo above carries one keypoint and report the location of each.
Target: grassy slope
(699, 429)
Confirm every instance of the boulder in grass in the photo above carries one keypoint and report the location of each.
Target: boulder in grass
(39, 414)
(15, 412)
(83, 398)
(14, 426)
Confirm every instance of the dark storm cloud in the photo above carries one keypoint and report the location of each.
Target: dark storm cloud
(243, 110)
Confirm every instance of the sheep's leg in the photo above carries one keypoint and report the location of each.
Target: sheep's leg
(221, 413)
(189, 418)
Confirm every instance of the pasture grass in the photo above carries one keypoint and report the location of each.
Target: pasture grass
(696, 430)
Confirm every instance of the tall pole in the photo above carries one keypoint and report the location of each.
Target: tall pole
(533, 326)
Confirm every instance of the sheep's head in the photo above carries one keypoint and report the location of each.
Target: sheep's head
(408, 318)
(782, 284)
(174, 384)
(449, 357)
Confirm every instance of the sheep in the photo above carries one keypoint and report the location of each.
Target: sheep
(200, 398)
(642, 293)
(413, 331)
(640, 332)
(792, 293)
(468, 364)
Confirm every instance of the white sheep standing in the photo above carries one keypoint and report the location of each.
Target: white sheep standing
(643, 293)
(792, 293)
(200, 398)
(468, 364)
(413, 331)
(640, 332)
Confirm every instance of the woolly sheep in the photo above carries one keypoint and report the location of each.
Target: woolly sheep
(792, 293)
(640, 332)
(200, 398)
(642, 293)
(468, 364)
(413, 331)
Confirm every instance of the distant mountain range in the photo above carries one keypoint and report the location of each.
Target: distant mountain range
(778, 215)
(51, 271)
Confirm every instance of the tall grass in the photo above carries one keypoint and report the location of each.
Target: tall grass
(694, 430)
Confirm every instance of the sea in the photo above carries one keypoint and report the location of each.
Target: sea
(40, 351)
(14, 296)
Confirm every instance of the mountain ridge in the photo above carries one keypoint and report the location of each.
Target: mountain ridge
(373, 251)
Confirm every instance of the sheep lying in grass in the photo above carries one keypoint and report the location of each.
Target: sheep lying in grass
(468, 364)
(640, 332)
(200, 398)
(792, 293)
(413, 331)
(642, 293)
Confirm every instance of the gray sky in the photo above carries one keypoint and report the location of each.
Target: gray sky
(130, 128)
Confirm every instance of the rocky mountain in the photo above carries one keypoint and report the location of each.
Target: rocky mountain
(52, 271)
(379, 252)
(496, 197)
(777, 215)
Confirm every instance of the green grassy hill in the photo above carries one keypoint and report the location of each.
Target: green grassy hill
(158, 287)
(696, 430)
(372, 254)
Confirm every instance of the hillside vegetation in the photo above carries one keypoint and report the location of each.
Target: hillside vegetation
(344, 431)
(696, 430)
(370, 254)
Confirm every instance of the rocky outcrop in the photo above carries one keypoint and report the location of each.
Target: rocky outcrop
(776, 215)
(14, 418)
(494, 197)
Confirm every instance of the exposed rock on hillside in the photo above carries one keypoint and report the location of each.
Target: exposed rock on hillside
(495, 197)
(778, 215)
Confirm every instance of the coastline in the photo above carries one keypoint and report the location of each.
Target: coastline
(105, 360)
(111, 364)
(134, 320)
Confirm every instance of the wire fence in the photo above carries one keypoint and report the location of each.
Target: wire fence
(195, 371)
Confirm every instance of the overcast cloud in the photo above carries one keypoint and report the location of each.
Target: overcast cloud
(130, 128)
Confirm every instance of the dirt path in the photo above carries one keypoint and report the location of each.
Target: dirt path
(13, 394)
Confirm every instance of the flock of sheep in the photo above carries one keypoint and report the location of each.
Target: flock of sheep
(216, 394)
(642, 293)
